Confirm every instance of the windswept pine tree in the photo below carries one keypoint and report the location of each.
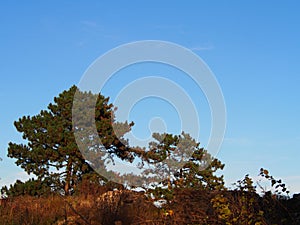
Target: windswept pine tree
(50, 150)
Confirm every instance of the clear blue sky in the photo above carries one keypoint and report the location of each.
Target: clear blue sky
(252, 48)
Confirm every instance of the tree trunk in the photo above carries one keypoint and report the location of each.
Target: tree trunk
(68, 177)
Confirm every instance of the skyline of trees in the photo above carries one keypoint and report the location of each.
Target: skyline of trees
(53, 142)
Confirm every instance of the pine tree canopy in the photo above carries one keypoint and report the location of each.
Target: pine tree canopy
(50, 150)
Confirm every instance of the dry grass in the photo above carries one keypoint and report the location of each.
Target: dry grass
(124, 208)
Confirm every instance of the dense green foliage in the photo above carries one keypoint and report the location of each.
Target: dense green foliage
(51, 151)
(182, 163)
(31, 187)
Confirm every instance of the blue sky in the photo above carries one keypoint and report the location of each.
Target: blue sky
(252, 48)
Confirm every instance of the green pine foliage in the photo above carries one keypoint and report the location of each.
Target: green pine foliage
(51, 151)
(31, 187)
(182, 164)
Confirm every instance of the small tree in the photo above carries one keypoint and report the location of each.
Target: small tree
(182, 163)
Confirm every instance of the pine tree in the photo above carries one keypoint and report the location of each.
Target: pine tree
(50, 151)
(181, 162)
